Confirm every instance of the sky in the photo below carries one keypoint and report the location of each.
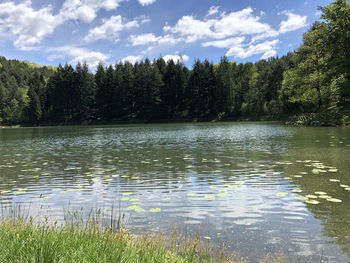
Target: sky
(51, 32)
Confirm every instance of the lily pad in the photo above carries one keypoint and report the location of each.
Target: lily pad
(320, 193)
(297, 190)
(334, 200)
(155, 210)
(166, 199)
(192, 194)
(334, 180)
(302, 198)
(209, 197)
(313, 202)
(222, 194)
(344, 185)
(281, 194)
(128, 193)
(134, 200)
(324, 196)
(133, 207)
(311, 196)
(125, 199)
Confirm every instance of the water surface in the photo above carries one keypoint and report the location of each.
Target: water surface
(255, 186)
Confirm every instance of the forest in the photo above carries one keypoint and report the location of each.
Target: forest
(313, 78)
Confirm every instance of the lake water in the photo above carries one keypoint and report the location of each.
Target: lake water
(258, 187)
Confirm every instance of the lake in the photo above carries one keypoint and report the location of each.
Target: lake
(257, 187)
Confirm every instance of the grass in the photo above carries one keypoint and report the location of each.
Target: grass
(76, 240)
(27, 242)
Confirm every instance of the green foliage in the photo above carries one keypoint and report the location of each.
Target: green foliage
(314, 78)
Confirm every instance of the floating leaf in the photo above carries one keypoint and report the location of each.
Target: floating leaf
(125, 176)
(287, 178)
(5, 191)
(115, 175)
(334, 200)
(298, 176)
(139, 210)
(347, 189)
(313, 202)
(209, 197)
(324, 196)
(109, 180)
(166, 199)
(134, 200)
(128, 193)
(311, 196)
(133, 207)
(303, 198)
(221, 194)
(192, 194)
(320, 193)
(212, 187)
(240, 182)
(334, 180)
(124, 198)
(207, 238)
(63, 192)
(297, 190)
(281, 194)
(344, 185)
(333, 170)
(155, 210)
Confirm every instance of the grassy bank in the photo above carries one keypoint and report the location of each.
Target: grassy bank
(27, 242)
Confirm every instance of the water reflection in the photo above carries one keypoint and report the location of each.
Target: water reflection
(238, 183)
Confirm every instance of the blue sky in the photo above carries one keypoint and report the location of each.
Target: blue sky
(58, 31)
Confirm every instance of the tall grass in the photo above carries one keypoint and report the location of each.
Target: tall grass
(76, 240)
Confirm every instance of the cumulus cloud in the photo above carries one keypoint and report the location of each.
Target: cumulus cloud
(86, 10)
(78, 54)
(146, 2)
(176, 58)
(131, 59)
(213, 10)
(150, 38)
(27, 25)
(267, 48)
(226, 43)
(228, 30)
(110, 28)
(238, 23)
(294, 22)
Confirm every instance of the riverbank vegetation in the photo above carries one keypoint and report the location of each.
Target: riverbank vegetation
(33, 243)
(313, 78)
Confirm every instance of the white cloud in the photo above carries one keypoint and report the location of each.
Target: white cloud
(226, 43)
(26, 25)
(241, 23)
(267, 48)
(213, 10)
(77, 54)
(293, 23)
(142, 39)
(131, 59)
(150, 38)
(86, 10)
(176, 58)
(268, 54)
(233, 24)
(110, 29)
(146, 2)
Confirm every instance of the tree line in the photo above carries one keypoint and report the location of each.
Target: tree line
(313, 78)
